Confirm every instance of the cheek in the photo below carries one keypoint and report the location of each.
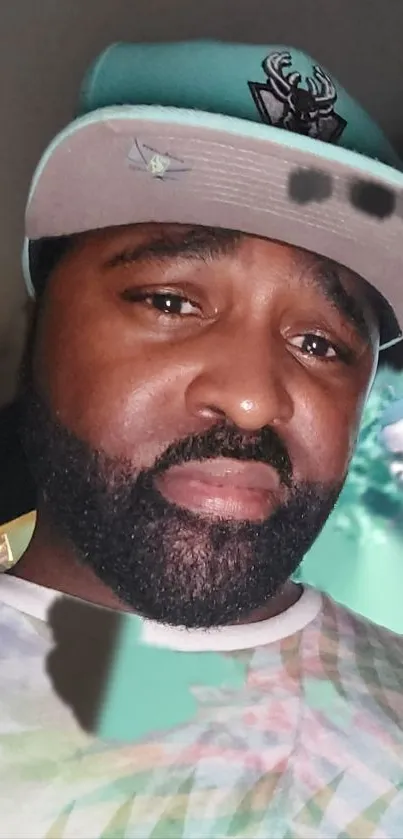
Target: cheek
(108, 385)
(326, 429)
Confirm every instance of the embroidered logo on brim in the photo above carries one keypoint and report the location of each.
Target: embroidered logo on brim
(283, 103)
(160, 165)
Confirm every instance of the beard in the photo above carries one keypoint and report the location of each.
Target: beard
(163, 561)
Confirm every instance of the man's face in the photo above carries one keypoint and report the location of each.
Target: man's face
(194, 401)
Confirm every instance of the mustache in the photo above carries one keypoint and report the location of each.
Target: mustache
(219, 441)
(222, 441)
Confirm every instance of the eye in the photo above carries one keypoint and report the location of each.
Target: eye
(165, 302)
(316, 346)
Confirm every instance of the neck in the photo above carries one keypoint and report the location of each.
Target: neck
(49, 562)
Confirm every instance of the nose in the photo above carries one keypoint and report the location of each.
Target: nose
(241, 381)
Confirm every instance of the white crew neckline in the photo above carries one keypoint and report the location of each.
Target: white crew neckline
(34, 600)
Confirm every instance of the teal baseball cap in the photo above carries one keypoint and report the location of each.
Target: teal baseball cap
(260, 139)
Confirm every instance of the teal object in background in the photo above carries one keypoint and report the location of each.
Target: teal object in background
(365, 574)
(393, 413)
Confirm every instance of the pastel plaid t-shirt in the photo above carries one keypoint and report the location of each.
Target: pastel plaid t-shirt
(309, 746)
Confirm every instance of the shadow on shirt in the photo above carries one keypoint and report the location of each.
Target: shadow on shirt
(79, 665)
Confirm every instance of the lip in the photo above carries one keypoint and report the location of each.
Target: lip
(225, 488)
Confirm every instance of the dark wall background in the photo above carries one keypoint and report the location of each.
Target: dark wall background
(46, 45)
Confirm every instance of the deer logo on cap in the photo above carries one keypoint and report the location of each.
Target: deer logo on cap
(283, 103)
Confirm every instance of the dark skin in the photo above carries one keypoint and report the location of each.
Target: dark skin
(149, 333)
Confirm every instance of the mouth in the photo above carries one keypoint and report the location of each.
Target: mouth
(223, 488)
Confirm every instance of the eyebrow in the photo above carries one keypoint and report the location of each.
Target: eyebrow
(197, 243)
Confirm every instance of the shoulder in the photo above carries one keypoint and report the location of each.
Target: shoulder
(373, 649)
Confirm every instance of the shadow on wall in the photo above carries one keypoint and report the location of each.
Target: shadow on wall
(12, 338)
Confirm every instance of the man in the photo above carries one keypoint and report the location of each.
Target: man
(216, 264)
